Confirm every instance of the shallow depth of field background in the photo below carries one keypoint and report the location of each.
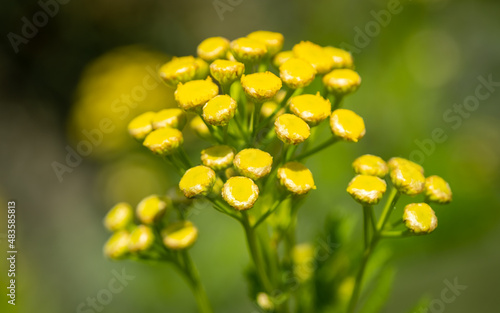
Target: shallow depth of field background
(414, 69)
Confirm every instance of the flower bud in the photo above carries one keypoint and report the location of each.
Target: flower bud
(282, 57)
(164, 141)
(341, 58)
(179, 235)
(396, 162)
(291, 129)
(226, 72)
(230, 172)
(370, 165)
(213, 48)
(296, 178)
(202, 69)
(367, 189)
(200, 128)
(178, 70)
(218, 157)
(174, 118)
(303, 259)
(119, 217)
(197, 180)
(248, 50)
(141, 238)
(253, 163)
(437, 190)
(117, 245)
(272, 40)
(347, 125)
(311, 108)
(297, 73)
(420, 218)
(264, 301)
(407, 179)
(141, 125)
(151, 209)
(219, 110)
(194, 94)
(342, 82)
(315, 55)
(240, 192)
(261, 86)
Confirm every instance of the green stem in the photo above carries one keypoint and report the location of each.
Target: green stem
(273, 208)
(337, 102)
(386, 212)
(174, 163)
(396, 234)
(320, 147)
(184, 157)
(195, 283)
(366, 225)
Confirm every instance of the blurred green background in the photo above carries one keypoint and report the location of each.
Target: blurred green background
(416, 64)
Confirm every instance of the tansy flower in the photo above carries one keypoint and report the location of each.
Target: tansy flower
(367, 189)
(253, 163)
(213, 48)
(226, 72)
(311, 108)
(370, 165)
(197, 180)
(297, 73)
(117, 245)
(141, 125)
(291, 129)
(303, 256)
(194, 94)
(420, 218)
(119, 217)
(219, 110)
(141, 238)
(202, 69)
(341, 58)
(151, 209)
(200, 128)
(282, 57)
(164, 141)
(174, 118)
(179, 235)
(178, 70)
(407, 179)
(272, 40)
(347, 125)
(437, 190)
(240, 192)
(315, 55)
(247, 50)
(396, 162)
(342, 81)
(261, 86)
(218, 157)
(296, 178)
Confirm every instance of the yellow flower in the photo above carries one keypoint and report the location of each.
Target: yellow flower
(218, 157)
(437, 190)
(341, 58)
(297, 73)
(219, 110)
(282, 57)
(420, 218)
(261, 86)
(367, 189)
(370, 165)
(200, 128)
(197, 180)
(247, 50)
(141, 238)
(178, 70)
(311, 108)
(179, 235)
(213, 48)
(342, 82)
(303, 259)
(315, 55)
(291, 129)
(119, 217)
(117, 245)
(397, 162)
(194, 94)
(273, 41)
(230, 172)
(164, 141)
(347, 125)
(253, 163)
(141, 125)
(240, 192)
(202, 69)
(265, 302)
(407, 179)
(296, 178)
(174, 118)
(226, 72)
(151, 209)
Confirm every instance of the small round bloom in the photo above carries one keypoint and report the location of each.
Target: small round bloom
(151, 209)
(342, 82)
(197, 180)
(247, 50)
(282, 57)
(240, 192)
(265, 302)
(311, 108)
(261, 86)
(164, 141)
(315, 55)
(179, 235)
(291, 129)
(141, 238)
(370, 165)
(219, 110)
(397, 162)
(272, 40)
(119, 217)
(253, 163)
(420, 218)
(297, 73)
(226, 71)
(218, 157)
(194, 94)
(341, 58)
(141, 125)
(296, 178)
(407, 179)
(437, 190)
(202, 69)
(117, 245)
(347, 125)
(303, 256)
(213, 48)
(174, 118)
(367, 189)
(200, 128)
(178, 70)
